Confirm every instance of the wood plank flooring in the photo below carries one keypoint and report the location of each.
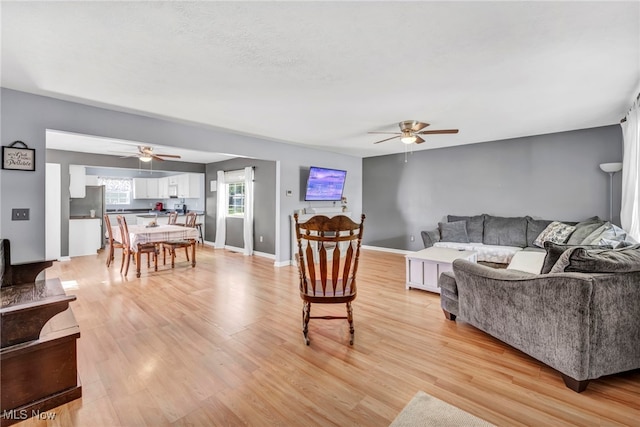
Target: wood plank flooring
(221, 344)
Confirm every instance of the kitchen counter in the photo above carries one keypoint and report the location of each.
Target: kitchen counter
(160, 215)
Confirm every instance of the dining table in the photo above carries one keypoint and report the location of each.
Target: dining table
(141, 234)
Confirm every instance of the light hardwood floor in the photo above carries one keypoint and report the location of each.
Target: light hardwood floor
(221, 344)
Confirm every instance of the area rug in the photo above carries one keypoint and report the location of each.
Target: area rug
(425, 410)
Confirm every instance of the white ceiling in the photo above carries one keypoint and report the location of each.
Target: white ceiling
(68, 141)
(326, 73)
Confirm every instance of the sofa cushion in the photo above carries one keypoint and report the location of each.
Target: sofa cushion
(583, 260)
(583, 229)
(534, 228)
(556, 232)
(505, 231)
(475, 226)
(555, 250)
(486, 253)
(455, 231)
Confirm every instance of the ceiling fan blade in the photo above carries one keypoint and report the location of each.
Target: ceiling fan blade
(173, 156)
(419, 140)
(155, 157)
(434, 132)
(393, 137)
(390, 133)
(418, 126)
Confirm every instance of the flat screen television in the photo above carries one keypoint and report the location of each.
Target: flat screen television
(325, 184)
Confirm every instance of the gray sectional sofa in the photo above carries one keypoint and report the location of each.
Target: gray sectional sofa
(496, 239)
(581, 316)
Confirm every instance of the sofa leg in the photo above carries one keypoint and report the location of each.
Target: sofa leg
(575, 385)
(449, 316)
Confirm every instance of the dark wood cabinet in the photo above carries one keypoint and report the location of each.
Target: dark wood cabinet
(38, 356)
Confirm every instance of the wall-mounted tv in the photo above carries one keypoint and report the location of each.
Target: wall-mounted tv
(325, 184)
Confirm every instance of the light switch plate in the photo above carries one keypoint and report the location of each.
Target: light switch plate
(20, 214)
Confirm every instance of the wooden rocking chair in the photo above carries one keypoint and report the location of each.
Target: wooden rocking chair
(328, 253)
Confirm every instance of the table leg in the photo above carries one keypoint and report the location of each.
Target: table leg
(137, 263)
(193, 253)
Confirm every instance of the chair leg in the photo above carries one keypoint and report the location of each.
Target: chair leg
(155, 261)
(350, 319)
(126, 266)
(173, 257)
(164, 255)
(306, 312)
(186, 251)
(110, 256)
(122, 262)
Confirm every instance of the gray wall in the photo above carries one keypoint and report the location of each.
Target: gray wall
(66, 158)
(554, 176)
(265, 191)
(26, 117)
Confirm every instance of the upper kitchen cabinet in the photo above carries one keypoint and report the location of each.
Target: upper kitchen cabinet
(77, 181)
(145, 188)
(190, 185)
(163, 188)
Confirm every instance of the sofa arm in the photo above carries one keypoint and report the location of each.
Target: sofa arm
(430, 237)
(546, 316)
(448, 295)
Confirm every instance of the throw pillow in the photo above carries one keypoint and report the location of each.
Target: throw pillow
(555, 250)
(599, 260)
(608, 234)
(429, 238)
(583, 229)
(475, 226)
(556, 232)
(453, 231)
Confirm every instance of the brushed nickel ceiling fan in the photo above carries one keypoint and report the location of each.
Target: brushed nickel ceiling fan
(146, 154)
(410, 131)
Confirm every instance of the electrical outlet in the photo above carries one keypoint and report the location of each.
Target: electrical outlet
(261, 239)
(289, 193)
(20, 214)
(413, 238)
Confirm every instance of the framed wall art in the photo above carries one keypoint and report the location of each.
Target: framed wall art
(17, 156)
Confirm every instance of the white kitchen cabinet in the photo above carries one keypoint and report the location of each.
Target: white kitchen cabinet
(190, 185)
(173, 179)
(85, 236)
(152, 188)
(77, 181)
(139, 188)
(163, 188)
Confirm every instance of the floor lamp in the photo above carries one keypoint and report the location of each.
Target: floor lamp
(611, 169)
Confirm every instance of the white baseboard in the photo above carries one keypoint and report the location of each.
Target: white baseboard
(208, 243)
(264, 255)
(234, 249)
(283, 263)
(64, 258)
(391, 250)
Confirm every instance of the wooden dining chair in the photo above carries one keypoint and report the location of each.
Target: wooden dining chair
(112, 242)
(173, 218)
(144, 248)
(327, 258)
(173, 245)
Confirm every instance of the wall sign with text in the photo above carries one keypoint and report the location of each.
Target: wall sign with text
(18, 158)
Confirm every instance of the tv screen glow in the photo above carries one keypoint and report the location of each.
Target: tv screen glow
(325, 184)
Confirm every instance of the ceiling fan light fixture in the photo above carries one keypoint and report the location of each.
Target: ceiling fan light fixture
(145, 159)
(408, 139)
